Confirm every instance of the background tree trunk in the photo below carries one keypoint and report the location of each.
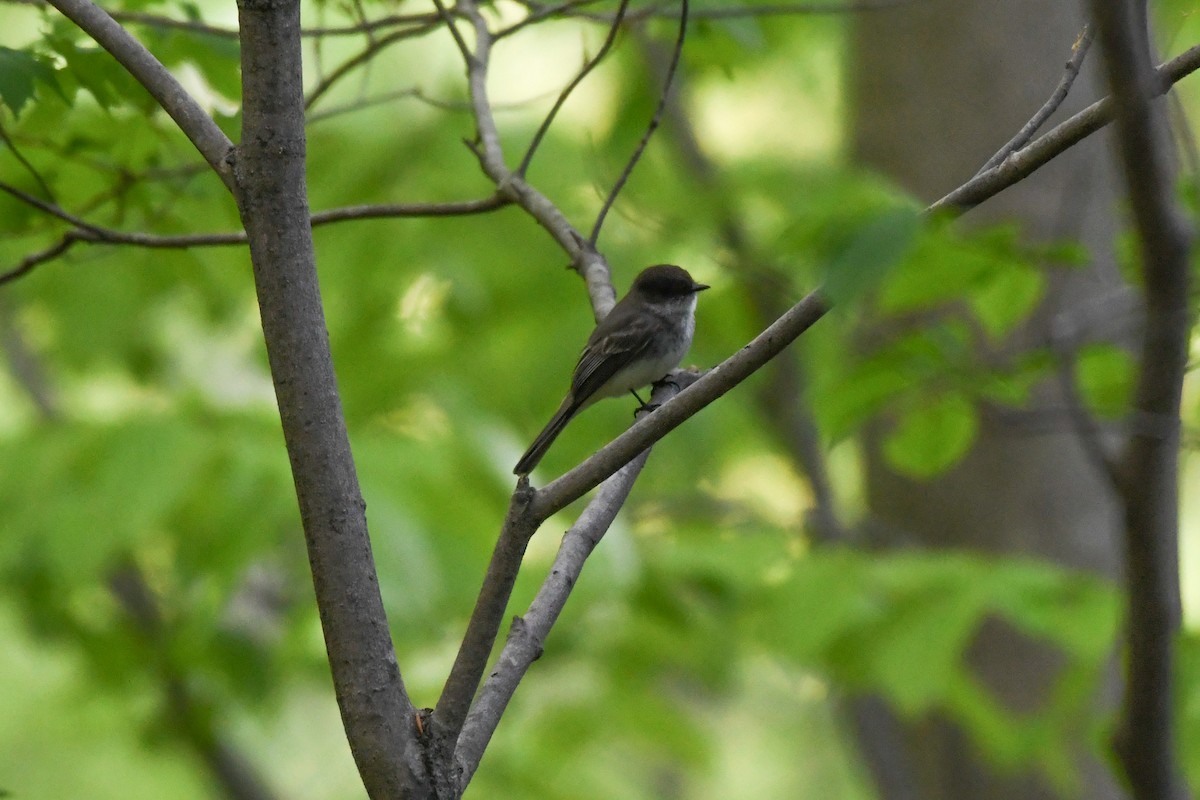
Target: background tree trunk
(937, 87)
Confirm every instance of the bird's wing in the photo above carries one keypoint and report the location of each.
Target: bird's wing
(608, 352)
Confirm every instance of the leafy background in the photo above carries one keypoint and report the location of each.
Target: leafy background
(709, 639)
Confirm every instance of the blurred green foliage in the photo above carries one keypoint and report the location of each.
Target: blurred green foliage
(706, 640)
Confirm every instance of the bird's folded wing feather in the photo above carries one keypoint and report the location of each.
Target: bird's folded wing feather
(608, 352)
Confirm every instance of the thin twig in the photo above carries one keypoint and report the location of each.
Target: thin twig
(24, 162)
(1066, 134)
(570, 87)
(51, 208)
(1078, 53)
(654, 123)
(668, 11)
(528, 633)
(1087, 430)
(364, 56)
(537, 13)
(366, 27)
(445, 17)
(87, 233)
(29, 262)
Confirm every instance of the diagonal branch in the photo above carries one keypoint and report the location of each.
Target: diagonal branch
(364, 56)
(1041, 151)
(520, 523)
(1074, 64)
(528, 633)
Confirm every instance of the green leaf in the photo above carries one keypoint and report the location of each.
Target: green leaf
(1105, 376)
(1005, 301)
(19, 73)
(932, 436)
(870, 254)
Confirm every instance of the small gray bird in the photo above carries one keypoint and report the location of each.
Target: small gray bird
(644, 337)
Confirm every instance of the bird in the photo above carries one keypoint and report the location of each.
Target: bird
(642, 338)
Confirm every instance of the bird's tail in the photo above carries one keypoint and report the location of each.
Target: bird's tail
(546, 438)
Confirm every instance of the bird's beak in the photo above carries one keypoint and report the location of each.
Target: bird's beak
(699, 287)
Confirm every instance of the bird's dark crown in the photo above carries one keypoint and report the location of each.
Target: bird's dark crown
(666, 280)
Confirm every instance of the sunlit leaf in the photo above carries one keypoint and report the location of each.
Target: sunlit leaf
(20, 74)
(931, 436)
(1105, 375)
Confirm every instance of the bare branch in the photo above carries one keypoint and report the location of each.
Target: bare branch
(414, 92)
(528, 633)
(445, 17)
(455, 208)
(1041, 151)
(88, 233)
(519, 525)
(33, 260)
(665, 11)
(538, 12)
(372, 48)
(24, 162)
(205, 29)
(1086, 428)
(1078, 53)
(654, 122)
(195, 123)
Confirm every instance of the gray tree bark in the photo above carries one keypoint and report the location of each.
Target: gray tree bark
(938, 87)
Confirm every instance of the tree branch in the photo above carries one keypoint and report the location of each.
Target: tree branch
(89, 233)
(590, 265)
(519, 526)
(1041, 151)
(195, 123)
(665, 11)
(528, 633)
(372, 48)
(1145, 739)
(1074, 64)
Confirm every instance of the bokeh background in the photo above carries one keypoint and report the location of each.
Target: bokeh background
(156, 608)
